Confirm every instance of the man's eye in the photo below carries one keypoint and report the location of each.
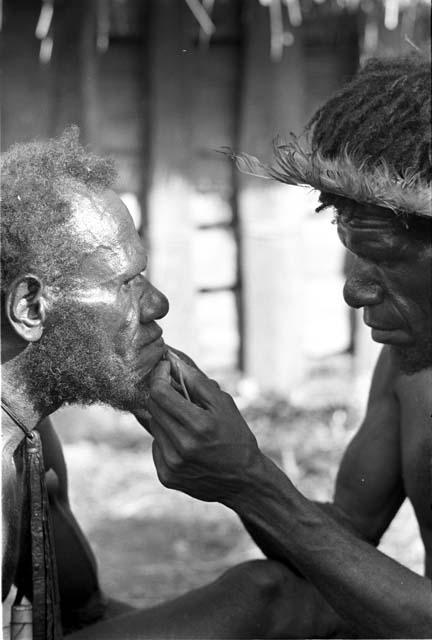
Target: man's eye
(136, 278)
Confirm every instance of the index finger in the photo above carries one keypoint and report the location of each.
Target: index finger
(161, 372)
(164, 395)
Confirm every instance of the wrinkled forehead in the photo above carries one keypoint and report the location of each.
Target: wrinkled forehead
(380, 234)
(104, 230)
(380, 223)
(364, 215)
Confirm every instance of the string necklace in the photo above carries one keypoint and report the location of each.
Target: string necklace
(46, 600)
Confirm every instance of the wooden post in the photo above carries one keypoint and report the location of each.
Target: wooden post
(25, 81)
(170, 224)
(331, 57)
(271, 213)
(214, 120)
(68, 63)
(119, 119)
(191, 213)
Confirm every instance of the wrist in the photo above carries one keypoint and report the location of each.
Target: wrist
(258, 484)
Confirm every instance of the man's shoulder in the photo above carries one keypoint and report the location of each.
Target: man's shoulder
(388, 378)
(385, 375)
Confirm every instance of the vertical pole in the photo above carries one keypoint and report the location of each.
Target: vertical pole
(25, 81)
(170, 225)
(70, 18)
(271, 213)
(237, 223)
(88, 81)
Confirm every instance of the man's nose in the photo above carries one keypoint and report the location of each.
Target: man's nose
(361, 287)
(154, 305)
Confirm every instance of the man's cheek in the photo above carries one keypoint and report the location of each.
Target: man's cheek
(123, 329)
(95, 298)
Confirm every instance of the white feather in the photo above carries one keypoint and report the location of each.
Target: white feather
(346, 176)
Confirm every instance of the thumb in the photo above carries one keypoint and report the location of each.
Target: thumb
(161, 372)
(200, 387)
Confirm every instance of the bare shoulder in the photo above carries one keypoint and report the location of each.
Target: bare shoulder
(380, 426)
(369, 485)
(414, 395)
(385, 375)
(382, 419)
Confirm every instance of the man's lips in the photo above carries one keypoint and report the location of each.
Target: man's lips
(377, 323)
(151, 352)
(380, 327)
(386, 332)
(155, 337)
(389, 335)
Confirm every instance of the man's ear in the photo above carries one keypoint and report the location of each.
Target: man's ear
(26, 306)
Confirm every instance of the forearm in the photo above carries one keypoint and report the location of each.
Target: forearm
(262, 540)
(378, 595)
(205, 448)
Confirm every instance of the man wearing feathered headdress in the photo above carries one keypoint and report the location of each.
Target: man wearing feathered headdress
(368, 152)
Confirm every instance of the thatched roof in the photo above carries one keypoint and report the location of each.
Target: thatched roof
(286, 16)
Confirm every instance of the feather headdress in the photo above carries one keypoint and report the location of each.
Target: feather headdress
(297, 164)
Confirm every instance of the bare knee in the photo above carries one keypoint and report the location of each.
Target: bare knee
(264, 577)
(255, 587)
(268, 576)
(290, 606)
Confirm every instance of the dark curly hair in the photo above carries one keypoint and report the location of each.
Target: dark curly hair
(36, 179)
(384, 113)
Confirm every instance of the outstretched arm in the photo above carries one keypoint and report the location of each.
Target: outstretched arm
(369, 488)
(206, 449)
(380, 596)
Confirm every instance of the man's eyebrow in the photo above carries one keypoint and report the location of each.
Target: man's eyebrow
(140, 266)
(134, 270)
(377, 248)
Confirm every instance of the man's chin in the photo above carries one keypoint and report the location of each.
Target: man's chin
(137, 398)
(414, 352)
(153, 354)
(395, 337)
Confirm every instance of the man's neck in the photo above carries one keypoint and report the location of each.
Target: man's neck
(14, 395)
